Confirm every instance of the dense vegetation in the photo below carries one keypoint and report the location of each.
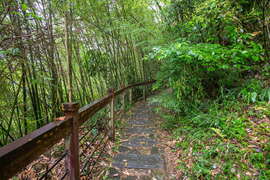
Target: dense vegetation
(217, 69)
(213, 55)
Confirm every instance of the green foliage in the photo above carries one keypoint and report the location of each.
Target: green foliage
(253, 90)
(9, 52)
(215, 21)
(215, 69)
(209, 57)
(197, 71)
(216, 119)
(214, 140)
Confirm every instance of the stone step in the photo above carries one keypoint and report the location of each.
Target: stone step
(143, 174)
(140, 141)
(139, 156)
(138, 161)
(140, 122)
(139, 130)
(142, 115)
(139, 150)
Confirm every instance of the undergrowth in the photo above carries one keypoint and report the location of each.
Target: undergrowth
(223, 138)
(217, 103)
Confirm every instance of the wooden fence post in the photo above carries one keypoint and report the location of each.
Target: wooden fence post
(72, 142)
(130, 95)
(144, 93)
(111, 122)
(123, 99)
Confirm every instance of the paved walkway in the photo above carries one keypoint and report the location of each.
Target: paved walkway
(139, 156)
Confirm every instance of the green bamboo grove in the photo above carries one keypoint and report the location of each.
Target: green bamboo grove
(103, 42)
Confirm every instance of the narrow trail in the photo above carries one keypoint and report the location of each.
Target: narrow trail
(139, 155)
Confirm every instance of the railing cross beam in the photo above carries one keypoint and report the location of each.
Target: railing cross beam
(18, 154)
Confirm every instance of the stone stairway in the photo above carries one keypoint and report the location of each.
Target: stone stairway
(139, 156)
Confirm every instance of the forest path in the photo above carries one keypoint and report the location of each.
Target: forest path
(139, 155)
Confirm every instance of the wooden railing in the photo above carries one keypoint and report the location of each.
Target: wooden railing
(18, 154)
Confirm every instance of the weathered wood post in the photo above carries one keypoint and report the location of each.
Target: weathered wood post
(72, 142)
(123, 99)
(130, 96)
(111, 122)
(144, 93)
(147, 90)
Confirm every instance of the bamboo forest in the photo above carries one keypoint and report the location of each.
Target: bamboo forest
(134, 89)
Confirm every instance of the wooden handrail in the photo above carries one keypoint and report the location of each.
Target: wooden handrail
(18, 154)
